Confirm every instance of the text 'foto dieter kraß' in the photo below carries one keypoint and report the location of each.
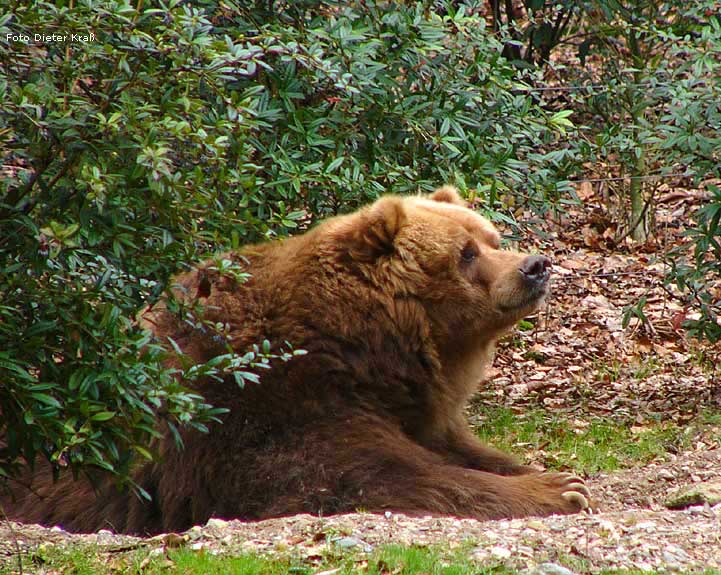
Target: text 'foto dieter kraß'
(42, 38)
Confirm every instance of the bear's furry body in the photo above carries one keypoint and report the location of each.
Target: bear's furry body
(398, 307)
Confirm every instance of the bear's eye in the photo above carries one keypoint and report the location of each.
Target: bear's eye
(469, 253)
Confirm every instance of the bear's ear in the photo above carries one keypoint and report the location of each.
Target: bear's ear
(379, 228)
(449, 195)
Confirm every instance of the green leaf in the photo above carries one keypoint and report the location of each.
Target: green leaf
(143, 452)
(18, 370)
(102, 416)
(334, 165)
(46, 399)
(40, 328)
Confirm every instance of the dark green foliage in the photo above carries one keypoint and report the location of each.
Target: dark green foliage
(363, 99)
(690, 135)
(181, 128)
(93, 205)
(700, 277)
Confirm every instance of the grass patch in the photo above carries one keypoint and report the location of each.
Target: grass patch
(78, 560)
(418, 560)
(194, 562)
(387, 560)
(587, 445)
(390, 559)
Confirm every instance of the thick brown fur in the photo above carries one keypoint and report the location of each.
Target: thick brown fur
(398, 307)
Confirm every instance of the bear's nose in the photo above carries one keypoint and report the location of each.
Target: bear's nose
(536, 269)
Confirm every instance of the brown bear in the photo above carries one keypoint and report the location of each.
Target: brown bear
(398, 307)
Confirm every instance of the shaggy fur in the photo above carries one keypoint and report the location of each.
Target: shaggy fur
(398, 306)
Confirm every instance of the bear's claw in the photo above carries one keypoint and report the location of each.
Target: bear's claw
(577, 498)
(573, 489)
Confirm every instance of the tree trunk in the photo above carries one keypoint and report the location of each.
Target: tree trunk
(638, 218)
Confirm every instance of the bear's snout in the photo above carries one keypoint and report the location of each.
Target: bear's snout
(535, 270)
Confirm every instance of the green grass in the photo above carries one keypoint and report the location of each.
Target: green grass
(184, 561)
(75, 560)
(391, 559)
(388, 560)
(584, 445)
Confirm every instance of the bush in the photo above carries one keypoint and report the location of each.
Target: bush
(118, 169)
(690, 136)
(699, 277)
(183, 128)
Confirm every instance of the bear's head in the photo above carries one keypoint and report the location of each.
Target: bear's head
(440, 256)
(448, 257)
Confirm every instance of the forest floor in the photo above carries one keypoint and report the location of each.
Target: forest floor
(578, 361)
